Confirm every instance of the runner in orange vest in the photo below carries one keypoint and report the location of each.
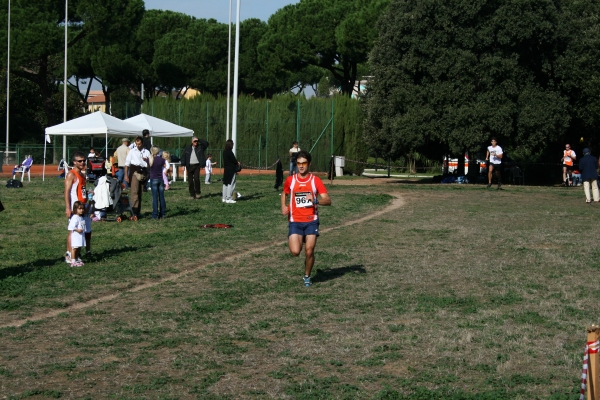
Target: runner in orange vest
(304, 190)
(567, 160)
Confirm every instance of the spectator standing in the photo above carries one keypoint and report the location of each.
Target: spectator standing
(121, 154)
(230, 166)
(568, 158)
(92, 153)
(75, 190)
(146, 138)
(293, 155)
(136, 172)
(193, 159)
(494, 159)
(208, 169)
(157, 184)
(589, 174)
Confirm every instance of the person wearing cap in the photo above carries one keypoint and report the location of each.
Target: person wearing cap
(121, 155)
(193, 160)
(589, 174)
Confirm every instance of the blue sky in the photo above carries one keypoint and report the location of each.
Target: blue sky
(219, 9)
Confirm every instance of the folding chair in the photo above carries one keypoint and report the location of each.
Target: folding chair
(24, 168)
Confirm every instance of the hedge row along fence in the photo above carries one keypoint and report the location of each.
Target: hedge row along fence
(266, 128)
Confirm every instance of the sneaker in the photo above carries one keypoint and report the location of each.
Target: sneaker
(80, 262)
(307, 281)
(68, 257)
(489, 185)
(75, 263)
(230, 201)
(499, 187)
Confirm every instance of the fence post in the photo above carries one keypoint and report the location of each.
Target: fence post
(298, 122)
(207, 121)
(389, 167)
(332, 121)
(593, 373)
(259, 146)
(267, 138)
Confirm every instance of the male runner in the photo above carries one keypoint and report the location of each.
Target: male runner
(75, 191)
(568, 157)
(303, 190)
(494, 159)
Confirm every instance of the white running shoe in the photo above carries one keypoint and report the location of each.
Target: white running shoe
(230, 201)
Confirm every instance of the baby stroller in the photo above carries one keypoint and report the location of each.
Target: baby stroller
(95, 168)
(121, 205)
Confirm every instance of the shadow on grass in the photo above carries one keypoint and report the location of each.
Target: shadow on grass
(327, 274)
(254, 196)
(50, 262)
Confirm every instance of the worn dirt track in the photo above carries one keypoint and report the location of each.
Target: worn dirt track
(396, 203)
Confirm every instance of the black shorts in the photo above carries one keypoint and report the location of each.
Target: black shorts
(497, 167)
(568, 167)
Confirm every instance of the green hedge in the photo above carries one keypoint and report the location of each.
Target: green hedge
(267, 128)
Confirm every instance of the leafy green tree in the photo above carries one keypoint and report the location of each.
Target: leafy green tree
(154, 26)
(196, 56)
(449, 74)
(330, 34)
(37, 36)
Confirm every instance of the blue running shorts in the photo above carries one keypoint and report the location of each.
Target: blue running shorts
(304, 228)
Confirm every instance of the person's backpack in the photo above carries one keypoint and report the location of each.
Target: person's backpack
(14, 183)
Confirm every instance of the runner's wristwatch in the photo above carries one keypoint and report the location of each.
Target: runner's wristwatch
(316, 201)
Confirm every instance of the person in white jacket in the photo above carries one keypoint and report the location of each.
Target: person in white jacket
(102, 197)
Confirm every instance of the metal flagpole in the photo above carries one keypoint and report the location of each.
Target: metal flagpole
(8, 89)
(228, 74)
(235, 76)
(64, 156)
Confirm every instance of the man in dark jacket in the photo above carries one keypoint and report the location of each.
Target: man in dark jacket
(588, 166)
(146, 138)
(193, 160)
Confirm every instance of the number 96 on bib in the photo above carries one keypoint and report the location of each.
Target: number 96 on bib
(301, 199)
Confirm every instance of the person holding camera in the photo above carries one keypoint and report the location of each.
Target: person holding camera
(136, 173)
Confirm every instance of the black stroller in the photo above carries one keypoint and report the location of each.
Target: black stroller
(121, 205)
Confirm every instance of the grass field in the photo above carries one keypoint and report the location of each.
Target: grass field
(439, 292)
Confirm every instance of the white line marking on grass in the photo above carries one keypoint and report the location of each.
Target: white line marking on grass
(397, 202)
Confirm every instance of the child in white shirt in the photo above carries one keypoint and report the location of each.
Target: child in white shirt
(77, 226)
(167, 156)
(208, 169)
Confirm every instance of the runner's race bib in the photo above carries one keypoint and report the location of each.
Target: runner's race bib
(301, 200)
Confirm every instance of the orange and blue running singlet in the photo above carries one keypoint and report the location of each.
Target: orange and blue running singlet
(302, 209)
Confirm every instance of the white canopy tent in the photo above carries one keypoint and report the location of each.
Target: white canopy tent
(97, 123)
(159, 127)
